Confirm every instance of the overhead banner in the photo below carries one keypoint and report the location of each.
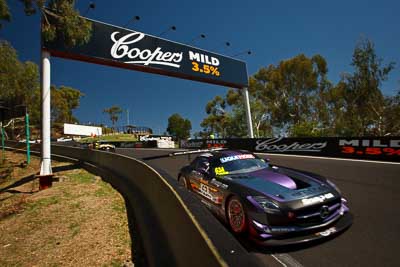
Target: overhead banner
(374, 148)
(119, 47)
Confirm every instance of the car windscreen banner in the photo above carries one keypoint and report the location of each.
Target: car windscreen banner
(374, 148)
(119, 47)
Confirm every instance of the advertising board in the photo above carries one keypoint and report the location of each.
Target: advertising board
(374, 148)
(83, 130)
(120, 47)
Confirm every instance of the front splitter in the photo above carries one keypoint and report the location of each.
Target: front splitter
(308, 236)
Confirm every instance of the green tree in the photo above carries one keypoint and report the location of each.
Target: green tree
(5, 14)
(179, 127)
(113, 112)
(281, 96)
(19, 81)
(364, 101)
(391, 115)
(259, 111)
(63, 101)
(294, 91)
(296, 98)
(218, 119)
(60, 20)
(19, 85)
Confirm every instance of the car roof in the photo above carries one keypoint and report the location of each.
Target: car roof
(224, 153)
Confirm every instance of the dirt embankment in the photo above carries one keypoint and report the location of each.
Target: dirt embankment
(80, 221)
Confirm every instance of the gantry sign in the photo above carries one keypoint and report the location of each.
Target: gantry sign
(119, 47)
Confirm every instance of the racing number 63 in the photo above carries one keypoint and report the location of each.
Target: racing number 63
(204, 189)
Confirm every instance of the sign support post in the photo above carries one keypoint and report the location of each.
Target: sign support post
(45, 178)
(248, 113)
(28, 145)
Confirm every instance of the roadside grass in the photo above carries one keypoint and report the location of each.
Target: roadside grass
(79, 221)
(110, 138)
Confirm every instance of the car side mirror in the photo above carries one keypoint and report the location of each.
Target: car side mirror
(267, 160)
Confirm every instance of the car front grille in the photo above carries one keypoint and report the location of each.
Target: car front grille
(306, 217)
(312, 216)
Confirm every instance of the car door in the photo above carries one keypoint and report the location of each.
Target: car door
(196, 173)
(200, 179)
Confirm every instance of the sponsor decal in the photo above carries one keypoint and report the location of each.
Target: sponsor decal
(327, 232)
(369, 143)
(210, 64)
(205, 191)
(271, 145)
(370, 147)
(219, 184)
(220, 171)
(282, 229)
(123, 47)
(203, 58)
(145, 138)
(317, 199)
(191, 144)
(216, 143)
(236, 157)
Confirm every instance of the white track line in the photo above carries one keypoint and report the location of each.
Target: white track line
(342, 159)
(278, 260)
(286, 260)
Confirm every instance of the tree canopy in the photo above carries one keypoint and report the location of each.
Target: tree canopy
(19, 86)
(60, 20)
(179, 127)
(364, 103)
(114, 112)
(295, 98)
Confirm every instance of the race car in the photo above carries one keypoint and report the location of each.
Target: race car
(107, 147)
(270, 204)
(101, 146)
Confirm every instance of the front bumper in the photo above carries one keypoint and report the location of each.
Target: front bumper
(311, 234)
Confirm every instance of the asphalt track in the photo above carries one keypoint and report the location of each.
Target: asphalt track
(373, 192)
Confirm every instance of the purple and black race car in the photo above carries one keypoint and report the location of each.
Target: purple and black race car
(273, 205)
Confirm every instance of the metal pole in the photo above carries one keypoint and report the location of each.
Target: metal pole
(248, 113)
(127, 119)
(45, 168)
(28, 145)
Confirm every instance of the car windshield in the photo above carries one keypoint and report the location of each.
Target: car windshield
(242, 166)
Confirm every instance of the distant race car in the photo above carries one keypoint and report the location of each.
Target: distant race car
(273, 205)
(107, 147)
(101, 146)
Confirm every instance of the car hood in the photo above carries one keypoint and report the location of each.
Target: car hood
(274, 177)
(280, 186)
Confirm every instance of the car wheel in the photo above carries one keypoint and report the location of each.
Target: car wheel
(236, 215)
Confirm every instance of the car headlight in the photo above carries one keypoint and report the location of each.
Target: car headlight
(267, 205)
(334, 186)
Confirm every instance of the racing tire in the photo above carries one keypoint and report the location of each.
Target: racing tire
(236, 215)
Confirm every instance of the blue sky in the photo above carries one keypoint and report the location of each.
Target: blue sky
(272, 30)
